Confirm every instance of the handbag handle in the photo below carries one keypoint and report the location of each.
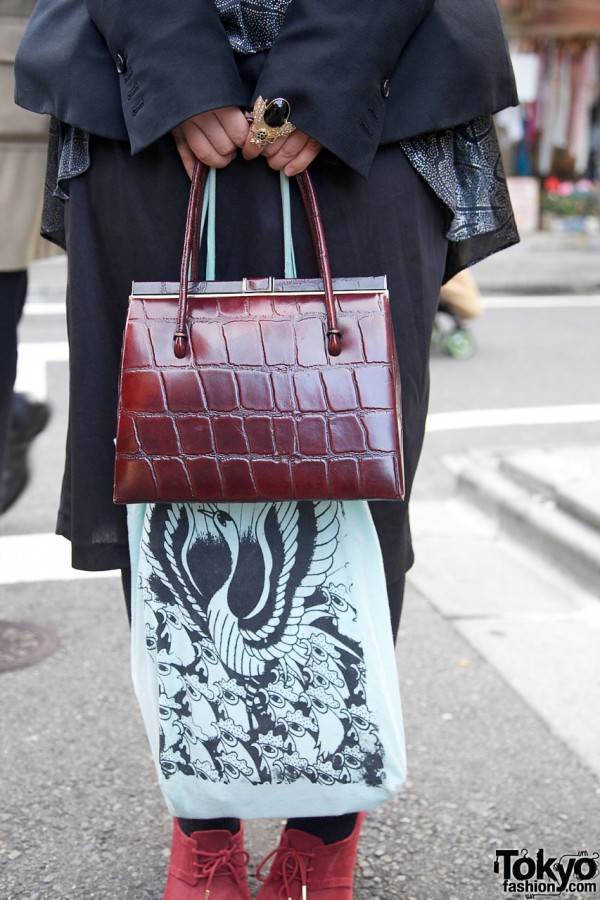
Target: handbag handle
(207, 217)
(190, 244)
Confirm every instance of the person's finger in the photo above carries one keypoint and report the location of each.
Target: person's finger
(201, 147)
(283, 152)
(249, 150)
(213, 130)
(235, 124)
(290, 145)
(294, 154)
(308, 153)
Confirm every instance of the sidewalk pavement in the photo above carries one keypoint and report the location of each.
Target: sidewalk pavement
(543, 263)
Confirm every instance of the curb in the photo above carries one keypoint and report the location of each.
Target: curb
(530, 515)
(574, 503)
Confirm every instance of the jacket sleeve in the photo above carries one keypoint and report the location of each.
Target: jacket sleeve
(174, 61)
(333, 60)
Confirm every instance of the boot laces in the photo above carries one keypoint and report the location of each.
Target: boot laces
(228, 861)
(292, 865)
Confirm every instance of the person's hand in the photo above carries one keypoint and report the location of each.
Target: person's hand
(213, 137)
(292, 154)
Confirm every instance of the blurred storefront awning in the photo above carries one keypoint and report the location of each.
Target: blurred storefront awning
(551, 18)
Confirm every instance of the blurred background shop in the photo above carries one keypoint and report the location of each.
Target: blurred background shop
(551, 143)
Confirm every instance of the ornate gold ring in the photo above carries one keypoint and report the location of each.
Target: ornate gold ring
(270, 121)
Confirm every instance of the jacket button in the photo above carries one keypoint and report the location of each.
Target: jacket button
(385, 88)
(121, 64)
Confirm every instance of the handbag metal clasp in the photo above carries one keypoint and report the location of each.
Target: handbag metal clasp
(258, 285)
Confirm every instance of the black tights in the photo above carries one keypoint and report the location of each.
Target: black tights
(330, 829)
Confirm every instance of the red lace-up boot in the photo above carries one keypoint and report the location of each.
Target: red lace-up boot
(207, 865)
(304, 868)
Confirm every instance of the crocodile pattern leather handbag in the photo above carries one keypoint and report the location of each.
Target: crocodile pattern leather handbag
(262, 389)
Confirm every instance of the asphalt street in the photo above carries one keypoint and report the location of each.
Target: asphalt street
(500, 709)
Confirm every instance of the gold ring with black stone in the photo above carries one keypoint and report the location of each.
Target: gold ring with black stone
(270, 121)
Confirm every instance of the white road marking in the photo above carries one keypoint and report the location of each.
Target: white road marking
(45, 309)
(33, 359)
(527, 415)
(542, 301)
(26, 558)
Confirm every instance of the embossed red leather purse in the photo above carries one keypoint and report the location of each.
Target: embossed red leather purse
(261, 389)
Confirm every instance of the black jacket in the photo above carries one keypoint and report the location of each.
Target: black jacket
(358, 73)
